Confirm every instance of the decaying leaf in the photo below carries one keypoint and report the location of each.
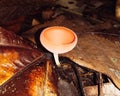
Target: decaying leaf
(97, 53)
(14, 8)
(15, 54)
(108, 89)
(36, 80)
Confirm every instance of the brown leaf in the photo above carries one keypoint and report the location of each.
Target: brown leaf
(97, 53)
(15, 54)
(37, 80)
(14, 8)
(108, 89)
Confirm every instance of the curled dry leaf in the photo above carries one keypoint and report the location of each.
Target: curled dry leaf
(15, 54)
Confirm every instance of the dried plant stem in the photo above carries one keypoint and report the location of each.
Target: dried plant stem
(100, 85)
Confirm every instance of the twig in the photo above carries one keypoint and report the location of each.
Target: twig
(100, 84)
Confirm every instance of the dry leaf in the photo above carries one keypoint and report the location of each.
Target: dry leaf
(36, 80)
(15, 54)
(97, 53)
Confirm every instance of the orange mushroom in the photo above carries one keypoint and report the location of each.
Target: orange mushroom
(58, 40)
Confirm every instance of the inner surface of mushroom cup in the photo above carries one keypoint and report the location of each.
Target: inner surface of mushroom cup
(58, 39)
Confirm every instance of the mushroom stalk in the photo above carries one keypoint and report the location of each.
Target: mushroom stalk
(56, 57)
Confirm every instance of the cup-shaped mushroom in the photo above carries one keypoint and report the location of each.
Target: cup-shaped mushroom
(58, 39)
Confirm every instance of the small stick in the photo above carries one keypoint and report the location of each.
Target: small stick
(100, 84)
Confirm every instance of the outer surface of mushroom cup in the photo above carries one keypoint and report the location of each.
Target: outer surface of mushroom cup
(58, 39)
